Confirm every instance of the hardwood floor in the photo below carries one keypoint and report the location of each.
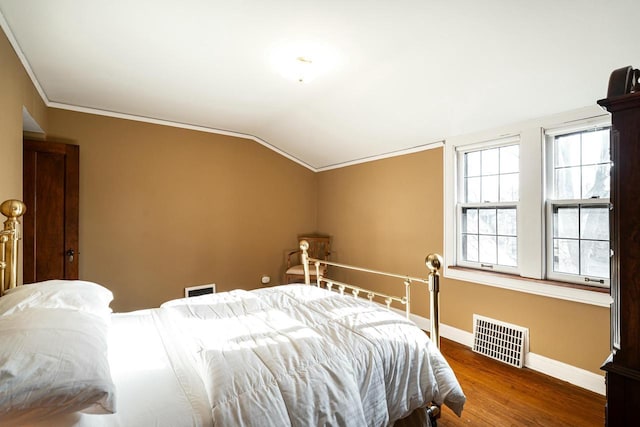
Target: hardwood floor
(501, 395)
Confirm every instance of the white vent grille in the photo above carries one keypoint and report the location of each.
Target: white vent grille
(196, 291)
(499, 340)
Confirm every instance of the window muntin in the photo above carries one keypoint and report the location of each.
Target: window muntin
(489, 236)
(487, 213)
(581, 165)
(491, 175)
(578, 246)
(581, 240)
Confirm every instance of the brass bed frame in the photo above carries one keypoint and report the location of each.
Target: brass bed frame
(9, 236)
(13, 209)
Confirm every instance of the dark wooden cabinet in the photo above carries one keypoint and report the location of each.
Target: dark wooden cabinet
(623, 365)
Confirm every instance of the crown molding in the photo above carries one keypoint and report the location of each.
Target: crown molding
(416, 149)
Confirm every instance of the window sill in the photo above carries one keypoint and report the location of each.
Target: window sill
(560, 290)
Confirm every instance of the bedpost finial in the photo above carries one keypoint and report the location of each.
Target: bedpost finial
(304, 245)
(13, 208)
(434, 262)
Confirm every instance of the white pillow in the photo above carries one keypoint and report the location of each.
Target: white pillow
(69, 294)
(53, 361)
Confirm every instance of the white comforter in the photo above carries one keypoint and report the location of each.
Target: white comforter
(300, 355)
(289, 355)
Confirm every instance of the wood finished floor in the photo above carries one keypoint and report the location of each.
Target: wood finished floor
(501, 395)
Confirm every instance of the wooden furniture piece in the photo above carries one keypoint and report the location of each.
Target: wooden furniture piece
(319, 247)
(623, 365)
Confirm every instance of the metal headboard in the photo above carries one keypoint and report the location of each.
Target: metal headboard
(433, 262)
(9, 236)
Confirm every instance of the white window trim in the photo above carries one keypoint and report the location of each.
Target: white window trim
(531, 134)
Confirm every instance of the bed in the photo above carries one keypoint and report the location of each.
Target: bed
(294, 354)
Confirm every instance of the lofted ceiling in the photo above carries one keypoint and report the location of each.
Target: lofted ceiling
(392, 76)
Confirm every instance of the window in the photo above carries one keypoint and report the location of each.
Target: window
(488, 210)
(578, 207)
(532, 203)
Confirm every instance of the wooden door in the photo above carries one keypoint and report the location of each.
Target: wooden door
(50, 225)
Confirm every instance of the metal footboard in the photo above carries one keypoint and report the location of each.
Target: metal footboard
(432, 261)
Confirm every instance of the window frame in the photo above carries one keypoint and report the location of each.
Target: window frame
(486, 145)
(551, 201)
(533, 176)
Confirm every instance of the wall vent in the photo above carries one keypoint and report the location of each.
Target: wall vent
(194, 291)
(499, 340)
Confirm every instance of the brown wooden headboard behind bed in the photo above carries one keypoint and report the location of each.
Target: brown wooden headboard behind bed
(9, 236)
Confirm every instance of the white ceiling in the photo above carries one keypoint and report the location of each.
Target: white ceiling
(404, 73)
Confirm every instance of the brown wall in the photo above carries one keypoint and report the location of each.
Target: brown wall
(16, 91)
(162, 208)
(385, 215)
(388, 215)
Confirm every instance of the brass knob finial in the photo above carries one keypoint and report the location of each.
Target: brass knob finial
(13, 208)
(434, 262)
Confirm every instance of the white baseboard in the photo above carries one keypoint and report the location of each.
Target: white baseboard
(569, 373)
(560, 370)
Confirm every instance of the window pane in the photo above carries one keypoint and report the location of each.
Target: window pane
(510, 159)
(490, 161)
(470, 247)
(595, 181)
(509, 186)
(507, 225)
(492, 175)
(472, 163)
(472, 187)
(581, 165)
(567, 183)
(565, 222)
(487, 223)
(470, 221)
(566, 256)
(488, 249)
(594, 257)
(567, 150)
(489, 188)
(508, 251)
(595, 147)
(594, 222)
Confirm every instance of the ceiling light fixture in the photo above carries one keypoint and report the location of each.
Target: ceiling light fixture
(289, 61)
(304, 66)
